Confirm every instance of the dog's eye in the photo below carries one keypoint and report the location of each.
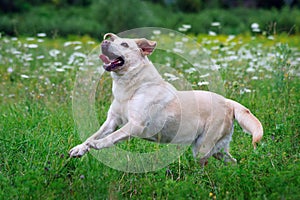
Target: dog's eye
(124, 44)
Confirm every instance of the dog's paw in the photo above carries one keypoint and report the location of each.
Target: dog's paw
(79, 150)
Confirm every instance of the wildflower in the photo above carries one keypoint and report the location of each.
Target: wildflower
(245, 90)
(250, 69)
(216, 24)
(186, 26)
(177, 50)
(54, 52)
(194, 52)
(24, 76)
(41, 34)
(255, 27)
(178, 44)
(230, 37)
(68, 43)
(57, 63)
(181, 29)
(185, 39)
(91, 42)
(77, 48)
(156, 32)
(203, 83)
(60, 69)
(211, 33)
(190, 70)
(205, 75)
(32, 46)
(171, 77)
(30, 39)
(10, 70)
(15, 52)
(171, 34)
(40, 57)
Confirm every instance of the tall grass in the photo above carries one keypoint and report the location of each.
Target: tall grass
(37, 128)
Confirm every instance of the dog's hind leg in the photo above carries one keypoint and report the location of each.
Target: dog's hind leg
(226, 157)
(204, 146)
(223, 144)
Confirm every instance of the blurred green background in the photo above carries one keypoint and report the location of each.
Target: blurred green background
(95, 17)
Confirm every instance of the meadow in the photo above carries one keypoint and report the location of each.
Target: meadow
(37, 128)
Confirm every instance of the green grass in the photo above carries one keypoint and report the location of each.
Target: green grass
(37, 128)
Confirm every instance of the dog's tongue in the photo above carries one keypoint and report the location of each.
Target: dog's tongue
(104, 58)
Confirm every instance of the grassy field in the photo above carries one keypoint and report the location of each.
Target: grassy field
(37, 127)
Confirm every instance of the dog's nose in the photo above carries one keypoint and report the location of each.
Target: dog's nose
(105, 43)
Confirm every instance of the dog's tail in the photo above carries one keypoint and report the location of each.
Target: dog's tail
(247, 121)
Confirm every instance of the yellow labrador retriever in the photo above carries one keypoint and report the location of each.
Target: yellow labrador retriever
(148, 107)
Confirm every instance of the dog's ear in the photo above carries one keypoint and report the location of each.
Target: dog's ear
(110, 36)
(146, 46)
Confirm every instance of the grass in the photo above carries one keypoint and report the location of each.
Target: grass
(37, 128)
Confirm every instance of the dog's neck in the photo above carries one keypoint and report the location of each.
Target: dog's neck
(145, 69)
(138, 76)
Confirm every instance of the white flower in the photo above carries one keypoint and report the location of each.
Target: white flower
(54, 52)
(60, 69)
(67, 44)
(203, 83)
(185, 39)
(205, 75)
(186, 26)
(156, 32)
(57, 63)
(230, 37)
(190, 70)
(41, 34)
(24, 76)
(91, 42)
(77, 48)
(182, 29)
(254, 25)
(32, 46)
(245, 90)
(250, 69)
(171, 77)
(177, 50)
(216, 24)
(211, 33)
(40, 57)
(10, 70)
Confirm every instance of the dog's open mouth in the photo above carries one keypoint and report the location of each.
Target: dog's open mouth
(112, 64)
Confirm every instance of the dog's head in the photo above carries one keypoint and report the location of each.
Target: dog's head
(119, 54)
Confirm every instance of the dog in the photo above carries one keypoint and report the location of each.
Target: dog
(148, 107)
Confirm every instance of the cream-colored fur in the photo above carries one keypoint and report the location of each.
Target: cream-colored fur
(148, 107)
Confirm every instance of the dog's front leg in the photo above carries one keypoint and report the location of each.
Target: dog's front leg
(121, 134)
(108, 127)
